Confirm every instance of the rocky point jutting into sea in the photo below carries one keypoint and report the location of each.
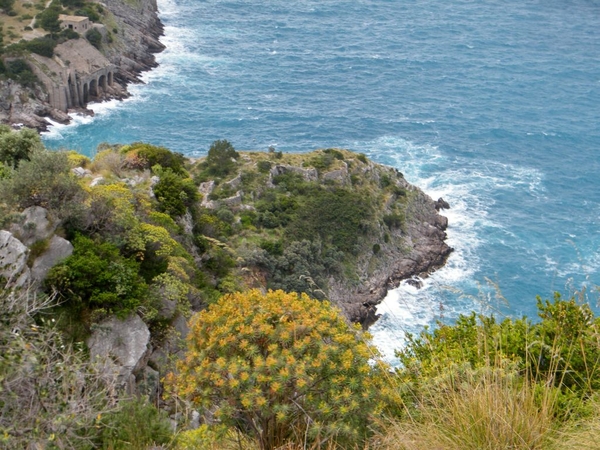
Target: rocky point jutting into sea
(78, 73)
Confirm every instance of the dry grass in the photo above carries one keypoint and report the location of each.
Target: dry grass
(580, 436)
(487, 412)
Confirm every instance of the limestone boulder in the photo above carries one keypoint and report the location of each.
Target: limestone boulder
(13, 260)
(124, 345)
(58, 249)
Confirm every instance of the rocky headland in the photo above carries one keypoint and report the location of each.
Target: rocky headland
(79, 73)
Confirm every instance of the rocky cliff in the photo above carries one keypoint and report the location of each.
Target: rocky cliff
(78, 73)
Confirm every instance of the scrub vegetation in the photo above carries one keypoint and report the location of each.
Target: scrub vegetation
(243, 244)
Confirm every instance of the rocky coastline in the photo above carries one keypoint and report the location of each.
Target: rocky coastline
(130, 49)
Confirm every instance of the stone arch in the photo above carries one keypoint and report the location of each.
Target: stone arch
(72, 91)
(93, 88)
(110, 78)
(85, 94)
(102, 82)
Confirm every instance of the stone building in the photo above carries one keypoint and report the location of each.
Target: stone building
(81, 24)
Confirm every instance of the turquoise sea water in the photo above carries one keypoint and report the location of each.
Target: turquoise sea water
(492, 105)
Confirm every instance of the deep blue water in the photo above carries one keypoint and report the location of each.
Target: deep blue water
(492, 105)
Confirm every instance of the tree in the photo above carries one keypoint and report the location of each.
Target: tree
(279, 365)
(220, 158)
(48, 19)
(18, 145)
(174, 193)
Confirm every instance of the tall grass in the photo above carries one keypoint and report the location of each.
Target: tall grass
(487, 410)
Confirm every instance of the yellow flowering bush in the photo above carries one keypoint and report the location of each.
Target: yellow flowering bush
(279, 366)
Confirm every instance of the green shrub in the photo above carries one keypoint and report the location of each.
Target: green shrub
(174, 193)
(96, 275)
(136, 425)
(45, 180)
(152, 155)
(17, 146)
(20, 71)
(393, 221)
(94, 37)
(264, 166)
(338, 217)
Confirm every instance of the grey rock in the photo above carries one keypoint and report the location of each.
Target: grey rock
(96, 181)
(234, 183)
(231, 201)
(58, 249)
(441, 204)
(310, 174)
(123, 344)
(340, 175)
(13, 260)
(80, 172)
(33, 225)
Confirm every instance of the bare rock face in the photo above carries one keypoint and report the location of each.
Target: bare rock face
(58, 249)
(13, 260)
(124, 345)
(138, 38)
(309, 174)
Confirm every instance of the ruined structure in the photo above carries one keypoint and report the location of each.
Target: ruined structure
(76, 75)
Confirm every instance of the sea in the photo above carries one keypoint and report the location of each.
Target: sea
(493, 106)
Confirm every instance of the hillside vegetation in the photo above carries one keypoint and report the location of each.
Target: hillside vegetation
(250, 246)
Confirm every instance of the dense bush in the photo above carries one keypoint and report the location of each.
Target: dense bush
(338, 217)
(96, 275)
(301, 266)
(94, 37)
(44, 180)
(51, 395)
(174, 193)
(43, 46)
(151, 155)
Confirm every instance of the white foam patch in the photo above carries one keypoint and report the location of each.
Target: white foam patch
(57, 130)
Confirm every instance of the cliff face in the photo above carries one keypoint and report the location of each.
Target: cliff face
(136, 41)
(78, 73)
